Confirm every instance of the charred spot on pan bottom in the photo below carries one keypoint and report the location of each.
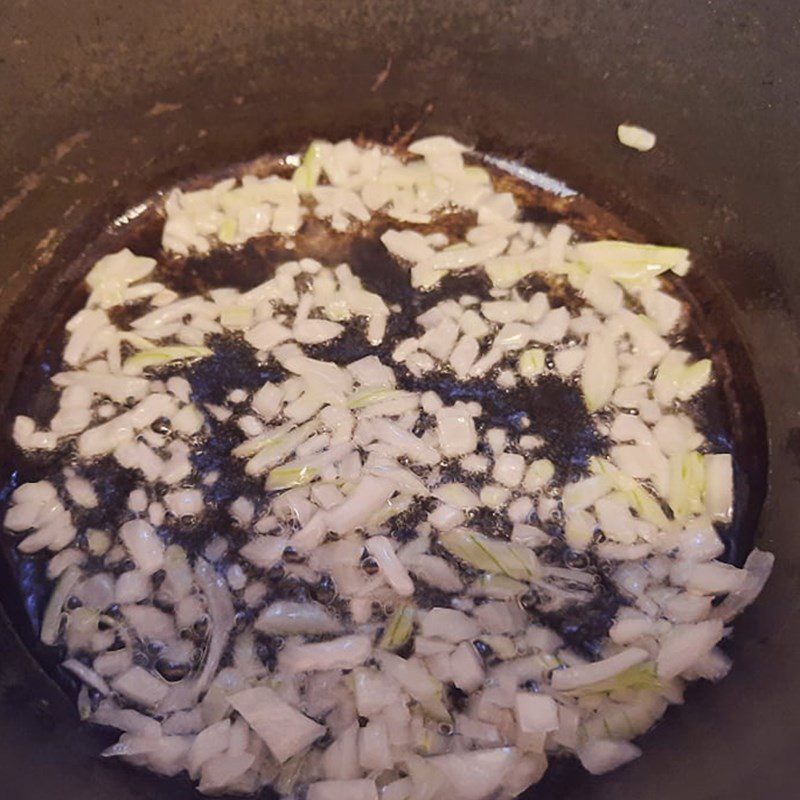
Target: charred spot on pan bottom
(583, 626)
(232, 365)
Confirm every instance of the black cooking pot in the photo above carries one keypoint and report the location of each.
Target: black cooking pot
(103, 102)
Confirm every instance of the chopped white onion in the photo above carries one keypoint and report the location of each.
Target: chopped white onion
(381, 457)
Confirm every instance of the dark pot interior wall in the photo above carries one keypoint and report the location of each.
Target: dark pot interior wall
(103, 102)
